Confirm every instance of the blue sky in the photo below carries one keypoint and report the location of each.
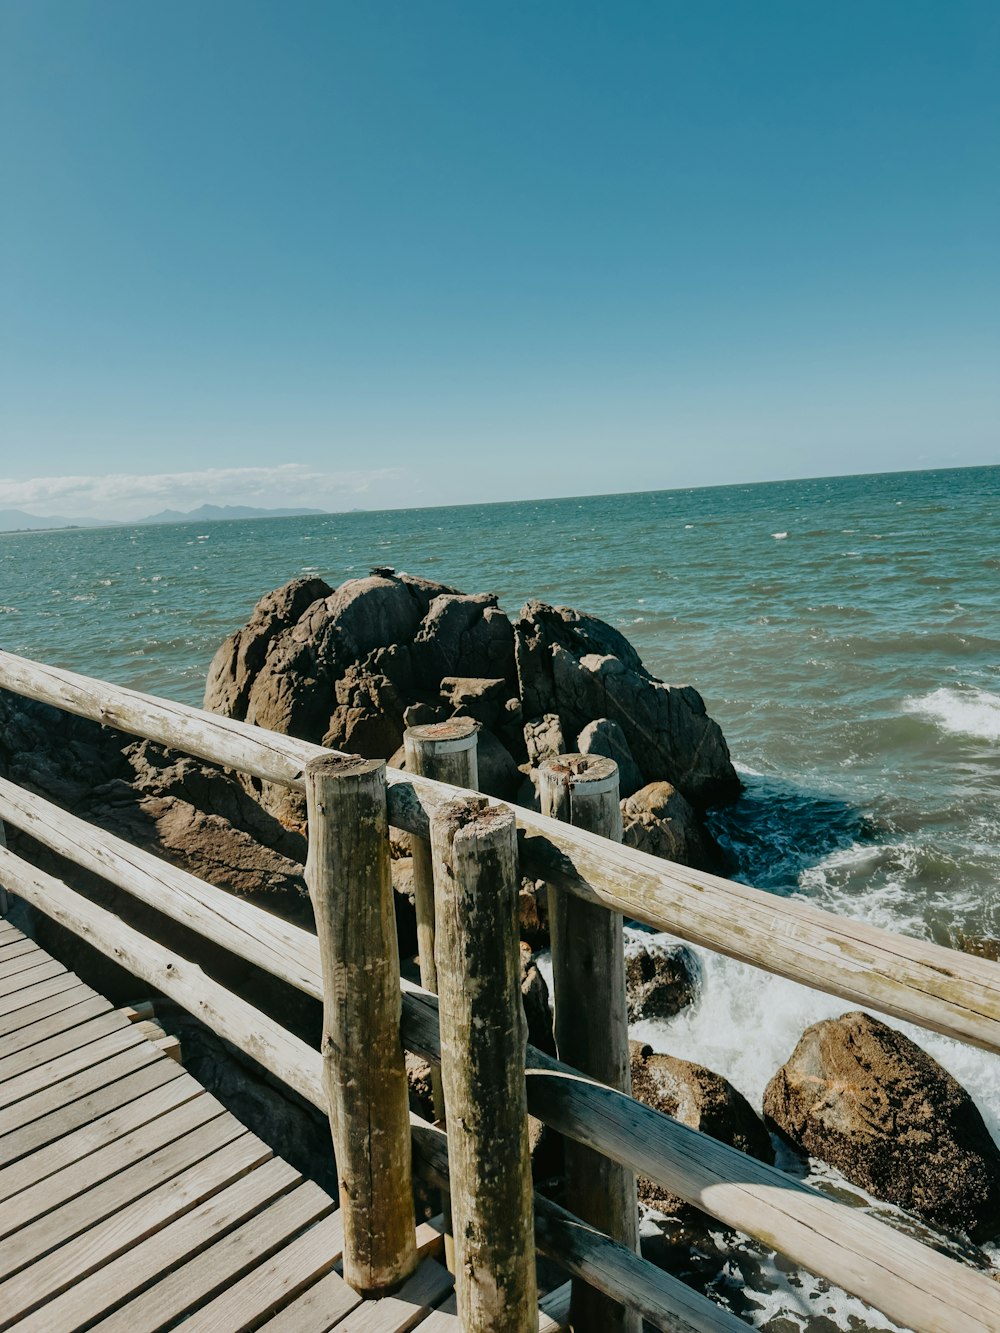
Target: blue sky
(372, 254)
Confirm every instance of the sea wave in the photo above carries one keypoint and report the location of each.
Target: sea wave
(959, 712)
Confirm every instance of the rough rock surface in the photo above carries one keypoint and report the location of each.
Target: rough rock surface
(869, 1101)
(605, 737)
(581, 669)
(535, 996)
(353, 667)
(658, 820)
(697, 1097)
(661, 978)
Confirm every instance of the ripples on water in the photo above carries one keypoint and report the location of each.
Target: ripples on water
(844, 632)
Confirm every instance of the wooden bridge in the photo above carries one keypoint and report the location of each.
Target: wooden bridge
(179, 1215)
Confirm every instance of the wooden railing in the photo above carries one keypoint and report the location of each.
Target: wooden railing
(474, 1031)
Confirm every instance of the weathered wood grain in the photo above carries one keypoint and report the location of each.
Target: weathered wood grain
(226, 1013)
(941, 989)
(483, 1034)
(591, 1019)
(364, 1077)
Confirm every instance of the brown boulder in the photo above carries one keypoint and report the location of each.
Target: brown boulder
(658, 820)
(661, 978)
(697, 1097)
(863, 1097)
(602, 736)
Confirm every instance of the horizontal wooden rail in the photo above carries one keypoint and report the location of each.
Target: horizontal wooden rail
(602, 1262)
(918, 1287)
(937, 988)
(284, 1055)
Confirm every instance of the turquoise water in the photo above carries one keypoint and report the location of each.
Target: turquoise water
(844, 632)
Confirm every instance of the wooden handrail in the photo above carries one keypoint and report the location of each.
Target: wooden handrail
(909, 1282)
(922, 983)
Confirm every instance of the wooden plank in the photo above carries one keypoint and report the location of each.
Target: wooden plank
(445, 1318)
(14, 950)
(65, 1119)
(71, 1263)
(13, 1023)
(7, 929)
(264, 1040)
(114, 1194)
(317, 1309)
(89, 1080)
(127, 1278)
(234, 924)
(554, 1310)
(939, 988)
(66, 1065)
(41, 971)
(93, 1137)
(80, 1012)
(273, 1283)
(43, 988)
(60, 1187)
(59, 1039)
(223, 1256)
(25, 960)
(429, 1286)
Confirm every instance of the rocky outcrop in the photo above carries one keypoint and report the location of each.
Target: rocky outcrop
(662, 977)
(580, 669)
(863, 1097)
(658, 820)
(353, 667)
(697, 1097)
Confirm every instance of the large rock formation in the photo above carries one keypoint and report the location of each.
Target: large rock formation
(869, 1101)
(697, 1097)
(353, 667)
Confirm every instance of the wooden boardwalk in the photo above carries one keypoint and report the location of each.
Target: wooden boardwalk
(131, 1200)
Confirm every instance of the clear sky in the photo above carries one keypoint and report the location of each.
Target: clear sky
(358, 253)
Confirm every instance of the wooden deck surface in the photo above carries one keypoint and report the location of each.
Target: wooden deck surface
(131, 1200)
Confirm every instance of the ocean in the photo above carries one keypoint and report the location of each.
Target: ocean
(845, 633)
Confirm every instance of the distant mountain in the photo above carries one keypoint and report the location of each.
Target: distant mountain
(16, 520)
(214, 513)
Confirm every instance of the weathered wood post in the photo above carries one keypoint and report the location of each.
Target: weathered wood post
(483, 1037)
(591, 1019)
(349, 878)
(446, 752)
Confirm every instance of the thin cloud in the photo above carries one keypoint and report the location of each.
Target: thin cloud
(123, 495)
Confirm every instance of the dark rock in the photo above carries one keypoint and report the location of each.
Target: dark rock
(658, 820)
(533, 913)
(697, 1097)
(863, 1097)
(368, 718)
(498, 773)
(661, 978)
(477, 697)
(404, 905)
(242, 655)
(535, 997)
(423, 715)
(581, 669)
(464, 636)
(605, 737)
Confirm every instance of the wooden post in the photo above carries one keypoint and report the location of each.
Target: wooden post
(446, 752)
(350, 884)
(483, 1039)
(591, 1019)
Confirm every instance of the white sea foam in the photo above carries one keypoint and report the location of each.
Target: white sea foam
(959, 712)
(779, 536)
